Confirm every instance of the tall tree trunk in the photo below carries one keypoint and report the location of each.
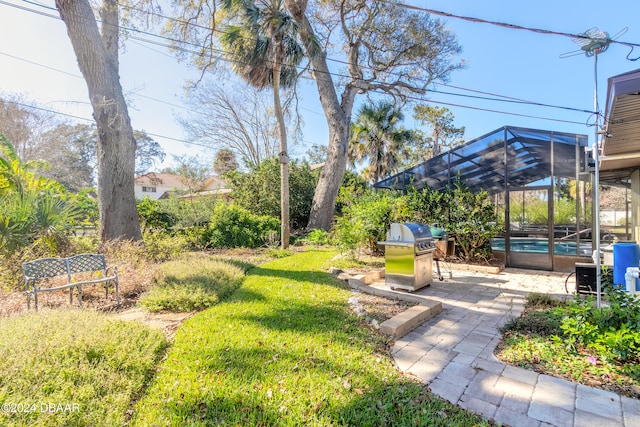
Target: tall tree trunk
(338, 116)
(116, 144)
(283, 157)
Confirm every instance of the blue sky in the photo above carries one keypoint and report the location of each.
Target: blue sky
(514, 63)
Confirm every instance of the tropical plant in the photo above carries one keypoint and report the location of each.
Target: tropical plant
(376, 137)
(17, 175)
(33, 208)
(265, 53)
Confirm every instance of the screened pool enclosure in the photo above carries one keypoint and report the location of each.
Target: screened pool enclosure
(539, 182)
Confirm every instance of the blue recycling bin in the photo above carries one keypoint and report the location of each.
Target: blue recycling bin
(625, 255)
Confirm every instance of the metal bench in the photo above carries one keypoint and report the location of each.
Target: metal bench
(40, 273)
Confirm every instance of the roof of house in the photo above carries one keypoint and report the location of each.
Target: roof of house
(164, 179)
(213, 182)
(621, 155)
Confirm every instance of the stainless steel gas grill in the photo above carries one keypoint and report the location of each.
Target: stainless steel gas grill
(408, 256)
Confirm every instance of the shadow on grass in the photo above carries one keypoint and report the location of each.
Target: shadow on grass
(237, 410)
(305, 318)
(403, 402)
(317, 277)
(243, 265)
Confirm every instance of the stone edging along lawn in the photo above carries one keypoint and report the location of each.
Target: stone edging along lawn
(403, 323)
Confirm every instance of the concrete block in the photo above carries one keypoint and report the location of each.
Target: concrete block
(601, 402)
(401, 324)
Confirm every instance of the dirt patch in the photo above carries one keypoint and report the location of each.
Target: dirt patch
(167, 322)
(376, 308)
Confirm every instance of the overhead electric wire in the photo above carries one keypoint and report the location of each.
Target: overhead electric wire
(48, 110)
(182, 48)
(507, 99)
(502, 24)
(493, 111)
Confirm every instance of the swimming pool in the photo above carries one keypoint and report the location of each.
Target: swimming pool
(541, 246)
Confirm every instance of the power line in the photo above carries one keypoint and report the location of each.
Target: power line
(509, 113)
(507, 99)
(502, 24)
(48, 110)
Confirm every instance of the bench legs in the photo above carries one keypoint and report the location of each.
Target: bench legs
(79, 288)
(115, 286)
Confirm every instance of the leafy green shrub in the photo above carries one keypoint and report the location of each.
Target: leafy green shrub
(613, 331)
(540, 323)
(192, 284)
(538, 300)
(162, 246)
(471, 221)
(74, 357)
(365, 222)
(467, 216)
(85, 204)
(316, 237)
(353, 187)
(153, 216)
(258, 190)
(232, 226)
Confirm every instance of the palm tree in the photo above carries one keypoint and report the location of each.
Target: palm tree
(31, 207)
(261, 38)
(377, 137)
(17, 175)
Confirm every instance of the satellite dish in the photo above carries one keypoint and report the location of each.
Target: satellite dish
(593, 42)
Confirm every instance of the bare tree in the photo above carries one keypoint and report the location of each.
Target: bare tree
(236, 117)
(97, 56)
(24, 123)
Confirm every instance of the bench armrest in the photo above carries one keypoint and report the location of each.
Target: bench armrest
(111, 268)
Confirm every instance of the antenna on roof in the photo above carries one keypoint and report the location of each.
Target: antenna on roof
(594, 42)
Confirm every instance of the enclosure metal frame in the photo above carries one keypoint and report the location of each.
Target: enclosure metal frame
(503, 160)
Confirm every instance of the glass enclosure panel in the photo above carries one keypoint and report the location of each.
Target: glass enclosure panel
(529, 213)
(529, 235)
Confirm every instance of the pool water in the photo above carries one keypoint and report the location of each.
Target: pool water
(541, 246)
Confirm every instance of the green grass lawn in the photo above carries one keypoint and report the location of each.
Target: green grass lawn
(284, 350)
(73, 368)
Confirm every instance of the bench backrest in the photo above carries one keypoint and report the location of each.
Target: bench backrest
(51, 267)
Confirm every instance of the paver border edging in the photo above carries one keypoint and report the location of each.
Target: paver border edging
(402, 323)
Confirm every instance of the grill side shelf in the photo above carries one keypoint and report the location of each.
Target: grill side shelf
(394, 243)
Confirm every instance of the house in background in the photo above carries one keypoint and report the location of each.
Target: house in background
(212, 186)
(162, 185)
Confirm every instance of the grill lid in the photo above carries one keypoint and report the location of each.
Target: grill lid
(410, 232)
